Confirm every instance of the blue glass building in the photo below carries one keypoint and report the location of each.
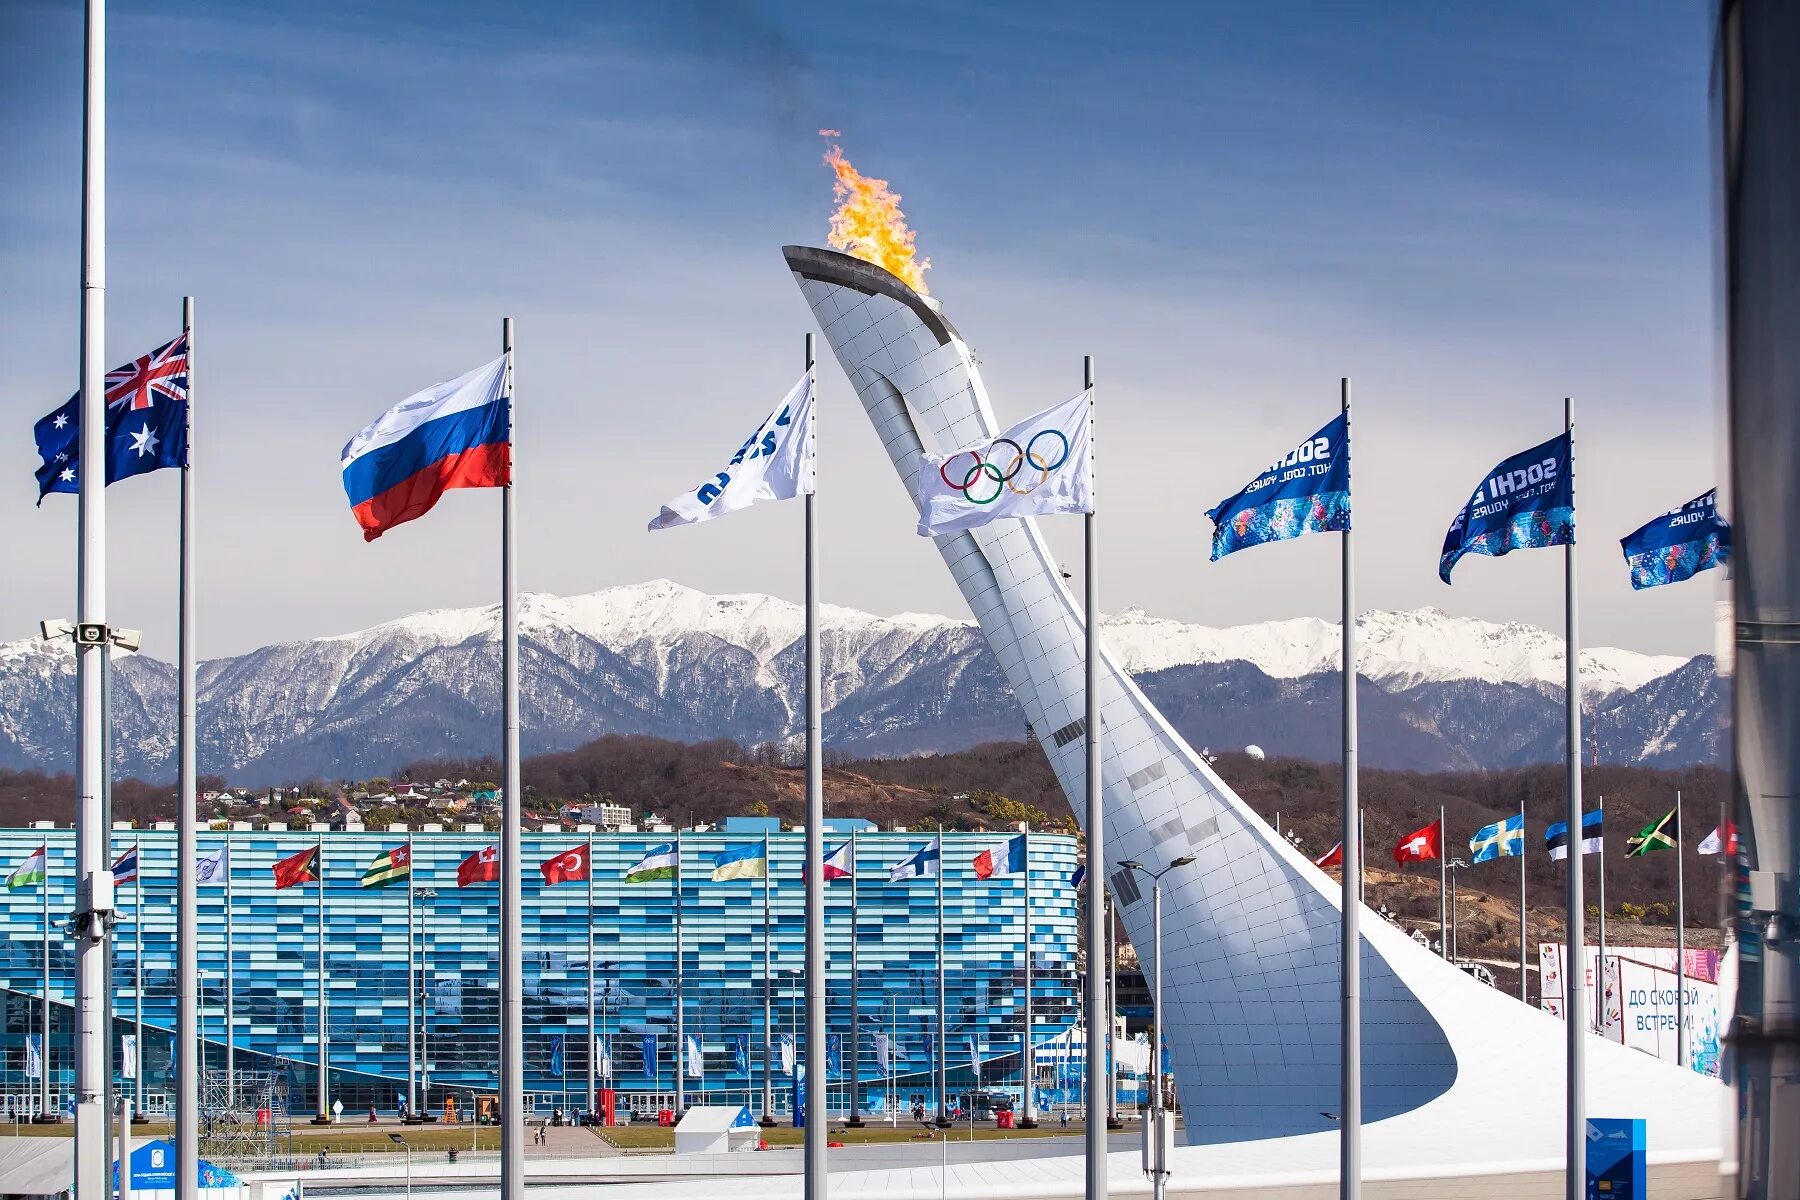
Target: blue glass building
(274, 965)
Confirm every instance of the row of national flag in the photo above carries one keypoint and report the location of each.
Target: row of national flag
(1506, 839)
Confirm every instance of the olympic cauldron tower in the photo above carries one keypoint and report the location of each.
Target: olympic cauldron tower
(1251, 928)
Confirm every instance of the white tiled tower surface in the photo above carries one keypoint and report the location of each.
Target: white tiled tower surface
(1251, 928)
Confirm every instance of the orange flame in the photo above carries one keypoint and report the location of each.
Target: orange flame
(868, 222)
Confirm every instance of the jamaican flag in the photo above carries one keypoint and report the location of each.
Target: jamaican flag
(1658, 835)
(390, 867)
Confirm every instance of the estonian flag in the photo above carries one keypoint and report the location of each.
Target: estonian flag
(1593, 840)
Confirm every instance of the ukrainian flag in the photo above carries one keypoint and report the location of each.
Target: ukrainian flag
(1502, 839)
(749, 861)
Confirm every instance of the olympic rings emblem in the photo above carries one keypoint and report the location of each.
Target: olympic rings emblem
(986, 480)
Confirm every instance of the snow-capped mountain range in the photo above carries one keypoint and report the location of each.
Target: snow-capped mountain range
(664, 659)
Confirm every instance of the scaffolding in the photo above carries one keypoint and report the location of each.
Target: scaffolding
(244, 1116)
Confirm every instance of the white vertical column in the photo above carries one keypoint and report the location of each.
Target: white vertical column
(815, 852)
(1027, 1057)
(1350, 948)
(1094, 826)
(1680, 936)
(1575, 917)
(512, 1000)
(187, 824)
(230, 983)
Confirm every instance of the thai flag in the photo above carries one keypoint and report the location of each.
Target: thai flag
(126, 869)
(837, 863)
(1008, 858)
(451, 435)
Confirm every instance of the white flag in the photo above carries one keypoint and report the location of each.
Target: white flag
(882, 1051)
(1712, 843)
(34, 1057)
(787, 1056)
(775, 463)
(1044, 464)
(974, 1057)
(210, 868)
(606, 1059)
(696, 1063)
(129, 1068)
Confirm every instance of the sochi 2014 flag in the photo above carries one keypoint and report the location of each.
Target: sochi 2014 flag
(774, 463)
(1306, 491)
(1525, 502)
(451, 435)
(647, 1048)
(1042, 465)
(884, 1052)
(1008, 858)
(1678, 545)
(740, 1053)
(696, 1060)
(834, 1056)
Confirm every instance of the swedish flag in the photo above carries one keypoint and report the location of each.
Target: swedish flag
(1502, 839)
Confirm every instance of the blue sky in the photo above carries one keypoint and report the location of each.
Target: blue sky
(1470, 209)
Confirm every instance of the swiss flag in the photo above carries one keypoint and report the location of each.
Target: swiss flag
(483, 866)
(571, 866)
(1333, 857)
(1424, 845)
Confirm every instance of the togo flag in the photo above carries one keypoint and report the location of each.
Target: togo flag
(1678, 545)
(1525, 502)
(1044, 464)
(774, 463)
(1306, 491)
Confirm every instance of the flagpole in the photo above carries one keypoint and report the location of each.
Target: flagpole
(1680, 938)
(137, 986)
(1600, 975)
(768, 1097)
(593, 1087)
(938, 1050)
(680, 1008)
(512, 1001)
(1094, 825)
(187, 820)
(1523, 997)
(1350, 948)
(92, 895)
(855, 1121)
(815, 846)
(44, 1113)
(1443, 872)
(323, 1116)
(1112, 1019)
(412, 992)
(1027, 1060)
(1575, 1010)
(230, 989)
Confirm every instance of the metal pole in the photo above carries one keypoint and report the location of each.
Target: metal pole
(815, 847)
(1027, 1057)
(1158, 1168)
(1523, 998)
(1680, 938)
(137, 986)
(1575, 966)
(939, 1050)
(323, 1116)
(187, 825)
(1350, 948)
(512, 966)
(855, 1121)
(230, 988)
(44, 1111)
(680, 1008)
(593, 1087)
(424, 996)
(412, 994)
(106, 1099)
(124, 1148)
(1112, 1019)
(91, 867)
(1443, 888)
(1600, 975)
(1094, 825)
(768, 1097)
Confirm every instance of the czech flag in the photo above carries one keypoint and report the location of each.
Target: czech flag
(1008, 858)
(451, 435)
(297, 868)
(126, 869)
(483, 866)
(571, 866)
(1423, 845)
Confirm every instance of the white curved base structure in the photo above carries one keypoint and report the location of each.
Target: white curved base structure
(1454, 1071)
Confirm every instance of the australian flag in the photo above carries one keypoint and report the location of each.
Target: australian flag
(1679, 545)
(1306, 491)
(146, 423)
(1525, 502)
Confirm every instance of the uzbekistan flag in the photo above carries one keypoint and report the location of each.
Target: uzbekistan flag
(30, 872)
(483, 866)
(571, 866)
(749, 861)
(297, 868)
(125, 870)
(1008, 858)
(451, 435)
(388, 868)
(660, 863)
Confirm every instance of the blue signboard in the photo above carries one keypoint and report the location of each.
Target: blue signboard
(153, 1169)
(1615, 1159)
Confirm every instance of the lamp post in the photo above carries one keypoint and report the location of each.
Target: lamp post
(1156, 1131)
(401, 1142)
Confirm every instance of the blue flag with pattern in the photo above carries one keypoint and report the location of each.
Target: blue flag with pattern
(1526, 502)
(1306, 491)
(1678, 545)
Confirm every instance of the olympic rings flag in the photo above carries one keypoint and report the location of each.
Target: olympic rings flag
(1306, 491)
(1042, 465)
(774, 463)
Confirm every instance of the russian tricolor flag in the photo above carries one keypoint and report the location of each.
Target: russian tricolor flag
(451, 435)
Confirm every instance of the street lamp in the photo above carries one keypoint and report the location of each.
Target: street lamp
(1158, 1132)
(400, 1141)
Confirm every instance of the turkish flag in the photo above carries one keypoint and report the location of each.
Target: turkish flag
(1424, 845)
(483, 866)
(571, 866)
(297, 868)
(1333, 857)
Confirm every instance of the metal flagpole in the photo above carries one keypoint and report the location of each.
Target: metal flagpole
(1443, 888)
(1575, 964)
(412, 993)
(815, 848)
(44, 1110)
(855, 1121)
(1027, 1059)
(1523, 998)
(1680, 938)
(105, 1096)
(512, 966)
(230, 989)
(1350, 950)
(1112, 1019)
(768, 1097)
(137, 985)
(938, 1050)
(93, 898)
(187, 822)
(323, 1116)
(680, 1008)
(1600, 974)
(593, 1098)
(1094, 825)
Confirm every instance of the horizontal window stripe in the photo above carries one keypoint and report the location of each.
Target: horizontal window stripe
(484, 466)
(393, 464)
